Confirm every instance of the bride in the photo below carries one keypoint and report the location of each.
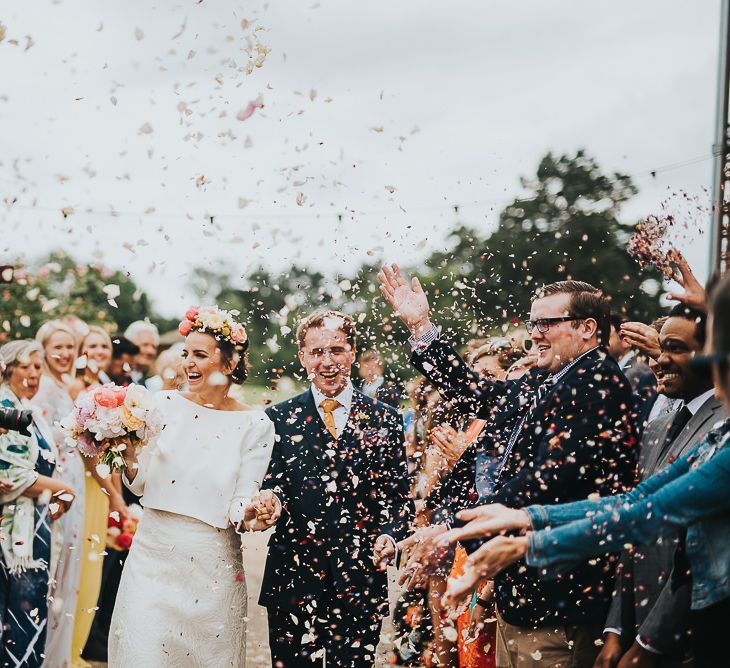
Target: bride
(182, 597)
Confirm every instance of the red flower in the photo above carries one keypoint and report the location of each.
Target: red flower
(124, 541)
(113, 521)
(184, 327)
(192, 313)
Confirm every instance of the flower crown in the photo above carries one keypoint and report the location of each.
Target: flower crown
(214, 320)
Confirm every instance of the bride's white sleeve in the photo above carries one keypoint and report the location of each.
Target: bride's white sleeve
(252, 468)
(144, 457)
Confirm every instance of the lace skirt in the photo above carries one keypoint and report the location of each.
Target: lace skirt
(182, 596)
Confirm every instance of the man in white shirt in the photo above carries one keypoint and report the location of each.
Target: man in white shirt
(339, 473)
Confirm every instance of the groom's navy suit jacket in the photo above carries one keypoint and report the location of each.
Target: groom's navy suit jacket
(337, 497)
(578, 438)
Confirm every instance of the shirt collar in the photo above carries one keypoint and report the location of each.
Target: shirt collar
(626, 359)
(699, 401)
(559, 374)
(344, 397)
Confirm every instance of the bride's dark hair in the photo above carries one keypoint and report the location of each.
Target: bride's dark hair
(234, 352)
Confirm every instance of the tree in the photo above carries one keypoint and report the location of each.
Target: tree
(59, 286)
(565, 226)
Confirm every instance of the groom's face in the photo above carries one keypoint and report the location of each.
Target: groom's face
(327, 358)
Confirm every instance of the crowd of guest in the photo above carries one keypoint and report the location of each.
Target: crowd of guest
(611, 436)
(568, 475)
(57, 577)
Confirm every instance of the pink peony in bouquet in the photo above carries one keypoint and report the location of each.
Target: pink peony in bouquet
(107, 419)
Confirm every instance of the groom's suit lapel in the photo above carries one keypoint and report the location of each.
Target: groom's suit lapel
(350, 442)
(317, 439)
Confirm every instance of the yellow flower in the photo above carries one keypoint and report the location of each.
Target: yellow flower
(129, 421)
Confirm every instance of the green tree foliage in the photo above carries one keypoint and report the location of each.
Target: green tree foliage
(564, 225)
(58, 286)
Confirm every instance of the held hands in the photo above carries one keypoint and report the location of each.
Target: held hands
(383, 552)
(263, 512)
(409, 302)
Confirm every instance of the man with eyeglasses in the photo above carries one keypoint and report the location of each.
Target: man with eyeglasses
(564, 431)
(339, 475)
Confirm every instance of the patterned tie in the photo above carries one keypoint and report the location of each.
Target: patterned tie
(329, 406)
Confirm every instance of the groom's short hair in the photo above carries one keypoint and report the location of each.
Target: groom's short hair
(330, 319)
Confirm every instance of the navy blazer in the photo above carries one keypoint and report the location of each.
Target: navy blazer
(578, 440)
(337, 498)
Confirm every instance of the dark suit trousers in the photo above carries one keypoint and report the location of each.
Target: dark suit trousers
(346, 637)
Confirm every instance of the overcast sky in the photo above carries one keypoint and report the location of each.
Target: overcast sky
(388, 113)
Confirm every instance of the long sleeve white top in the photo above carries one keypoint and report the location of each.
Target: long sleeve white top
(206, 463)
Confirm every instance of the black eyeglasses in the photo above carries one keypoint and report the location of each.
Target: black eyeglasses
(543, 324)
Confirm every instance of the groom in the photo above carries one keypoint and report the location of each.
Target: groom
(339, 474)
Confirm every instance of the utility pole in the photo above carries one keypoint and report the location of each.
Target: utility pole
(720, 227)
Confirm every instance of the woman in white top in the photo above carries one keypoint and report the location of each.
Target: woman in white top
(182, 596)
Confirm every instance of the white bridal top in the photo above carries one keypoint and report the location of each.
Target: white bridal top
(206, 464)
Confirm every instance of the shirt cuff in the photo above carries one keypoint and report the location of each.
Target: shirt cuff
(422, 342)
(538, 517)
(641, 642)
(611, 629)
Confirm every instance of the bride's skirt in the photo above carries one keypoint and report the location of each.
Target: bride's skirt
(182, 597)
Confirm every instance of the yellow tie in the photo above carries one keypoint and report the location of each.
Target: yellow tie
(328, 406)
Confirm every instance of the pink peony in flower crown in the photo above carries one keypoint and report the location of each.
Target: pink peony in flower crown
(215, 321)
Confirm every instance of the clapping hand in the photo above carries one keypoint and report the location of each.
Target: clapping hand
(263, 511)
(641, 336)
(694, 294)
(426, 554)
(449, 442)
(409, 302)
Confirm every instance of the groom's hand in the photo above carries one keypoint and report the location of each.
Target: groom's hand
(383, 551)
(409, 302)
(263, 511)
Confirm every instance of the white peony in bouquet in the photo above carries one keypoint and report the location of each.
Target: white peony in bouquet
(108, 419)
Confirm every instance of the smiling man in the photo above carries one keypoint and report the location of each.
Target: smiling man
(339, 473)
(564, 430)
(649, 617)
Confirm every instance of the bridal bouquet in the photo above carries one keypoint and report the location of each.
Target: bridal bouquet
(108, 419)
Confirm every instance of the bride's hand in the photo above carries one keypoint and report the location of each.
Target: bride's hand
(263, 511)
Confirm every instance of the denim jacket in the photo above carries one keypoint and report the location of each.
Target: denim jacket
(692, 492)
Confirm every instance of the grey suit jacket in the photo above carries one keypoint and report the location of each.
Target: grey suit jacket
(644, 603)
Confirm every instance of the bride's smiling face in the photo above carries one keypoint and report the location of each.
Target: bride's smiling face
(203, 363)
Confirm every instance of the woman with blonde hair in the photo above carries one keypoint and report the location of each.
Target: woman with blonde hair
(94, 358)
(53, 399)
(102, 495)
